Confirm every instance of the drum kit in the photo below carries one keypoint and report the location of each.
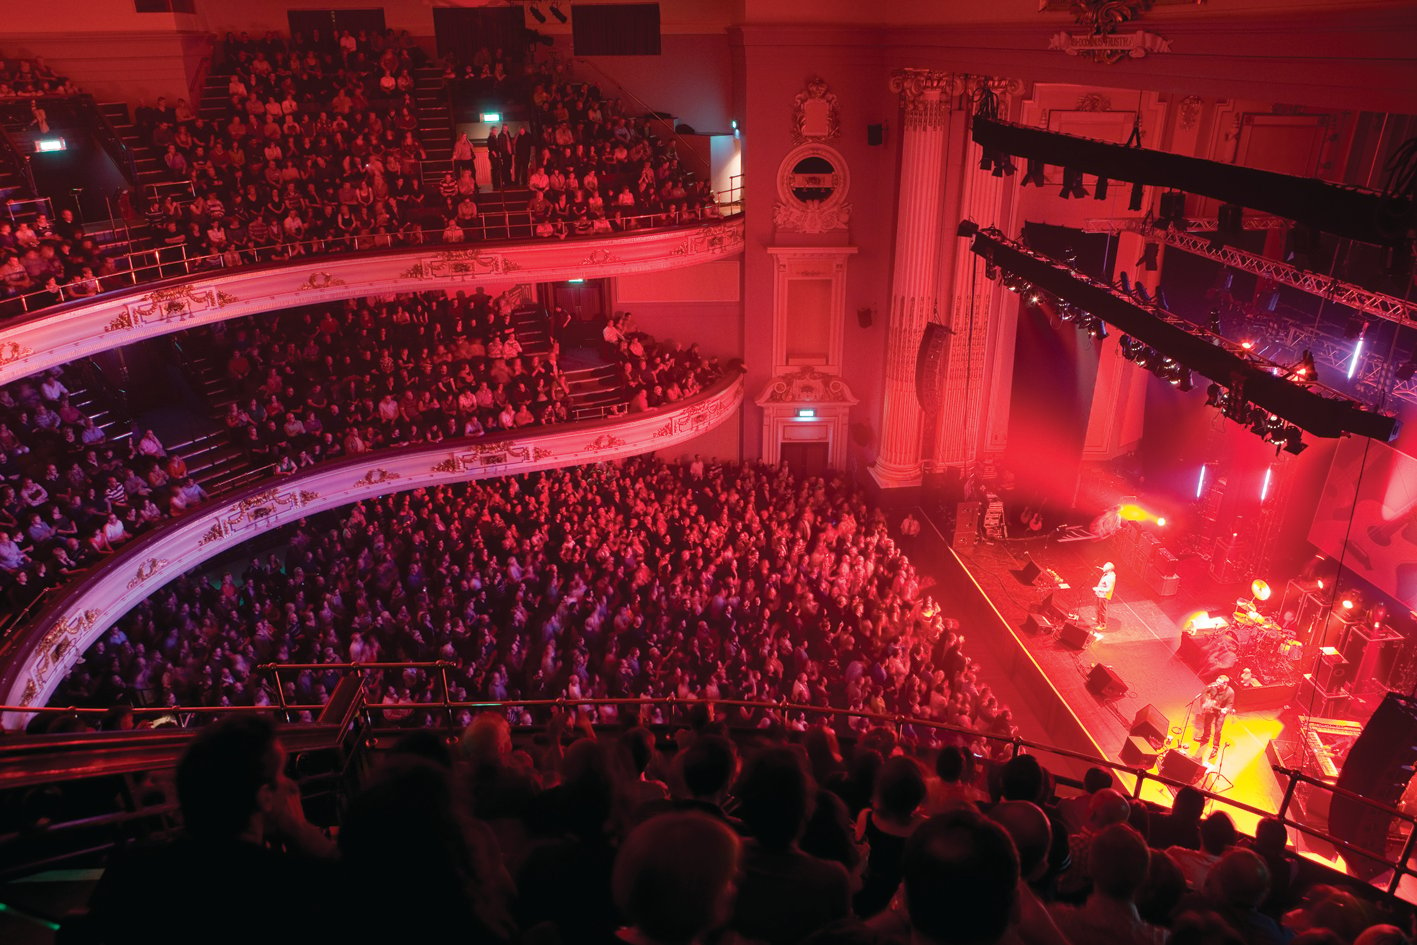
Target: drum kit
(1264, 644)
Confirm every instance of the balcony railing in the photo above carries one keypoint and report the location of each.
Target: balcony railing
(152, 265)
(372, 713)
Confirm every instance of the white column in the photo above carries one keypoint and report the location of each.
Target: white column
(925, 99)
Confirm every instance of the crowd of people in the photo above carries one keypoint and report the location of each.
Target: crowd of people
(318, 151)
(68, 497)
(29, 78)
(51, 261)
(618, 834)
(643, 578)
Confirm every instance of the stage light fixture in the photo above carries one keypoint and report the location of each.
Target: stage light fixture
(1003, 165)
(1142, 295)
(1200, 480)
(1072, 184)
(1173, 211)
(1124, 282)
(1161, 522)
(1097, 329)
(1357, 358)
(1355, 328)
(1034, 174)
(1100, 191)
(537, 15)
(1347, 604)
(1405, 371)
(1150, 257)
(1214, 397)
(1306, 370)
(1212, 322)
(992, 272)
(556, 12)
(1135, 202)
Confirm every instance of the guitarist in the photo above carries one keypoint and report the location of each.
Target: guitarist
(1217, 701)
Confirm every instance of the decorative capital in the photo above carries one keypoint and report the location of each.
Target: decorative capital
(925, 95)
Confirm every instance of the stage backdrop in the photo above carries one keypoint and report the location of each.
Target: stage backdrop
(1374, 486)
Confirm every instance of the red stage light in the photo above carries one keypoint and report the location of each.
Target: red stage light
(1347, 605)
(1161, 522)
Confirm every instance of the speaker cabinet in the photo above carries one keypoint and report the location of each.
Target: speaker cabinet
(966, 530)
(1104, 682)
(1138, 752)
(875, 135)
(930, 367)
(1029, 572)
(1378, 767)
(1151, 725)
(1179, 766)
(1037, 624)
(1073, 635)
(1332, 671)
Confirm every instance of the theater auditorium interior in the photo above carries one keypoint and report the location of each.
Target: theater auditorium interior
(709, 471)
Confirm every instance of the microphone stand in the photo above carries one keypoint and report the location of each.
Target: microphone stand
(1218, 775)
(1180, 733)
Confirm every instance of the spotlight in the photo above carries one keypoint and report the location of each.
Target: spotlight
(1184, 382)
(1142, 295)
(537, 15)
(1347, 604)
(556, 12)
(1405, 371)
(1003, 165)
(1098, 329)
(1034, 175)
(1135, 202)
(1306, 370)
(992, 272)
(1100, 191)
(1124, 282)
(1161, 522)
(1072, 184)
(1212, 323)
(1161, 299)
(1173, 211)
(1215, 396)
(1149, 257)
(1293, 441)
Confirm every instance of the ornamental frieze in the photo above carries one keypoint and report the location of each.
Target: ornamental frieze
(172, 304)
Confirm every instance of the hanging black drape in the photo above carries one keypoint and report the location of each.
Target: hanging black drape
(615, 29)
(462, 31)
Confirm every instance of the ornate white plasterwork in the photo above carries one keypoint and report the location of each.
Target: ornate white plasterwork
(815, 115)
(812, 185)
(81, 330)
(807, 385)
(44, 651)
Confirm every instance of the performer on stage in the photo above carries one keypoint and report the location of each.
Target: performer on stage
(1217, 701)
(1103, 592)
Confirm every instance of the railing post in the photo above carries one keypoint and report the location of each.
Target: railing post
(280, 692)
(1289, 790)
(1400, 870)
(447, 698)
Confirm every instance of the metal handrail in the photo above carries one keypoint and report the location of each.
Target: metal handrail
(111, 140)
(160, 268)
(18, 158)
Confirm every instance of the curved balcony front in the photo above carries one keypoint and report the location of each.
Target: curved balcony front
(38, 656)
(80, 329)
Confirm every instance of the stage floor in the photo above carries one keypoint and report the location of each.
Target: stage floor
(1140, 646)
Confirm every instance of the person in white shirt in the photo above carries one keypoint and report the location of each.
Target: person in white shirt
(1103, 592)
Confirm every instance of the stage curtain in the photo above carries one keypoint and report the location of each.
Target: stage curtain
(615, 29)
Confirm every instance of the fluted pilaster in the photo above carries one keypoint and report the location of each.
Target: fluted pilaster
(926, 98)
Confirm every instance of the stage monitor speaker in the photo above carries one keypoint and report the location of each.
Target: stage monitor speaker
(1029, 572)
(1073, 635)
(1332, 671)
(1150, 723)
(1138, 752)
(1179, 766)
(930, 367)
(1378, 767)
(1036, 624)
(966, 529)
(1104, 682)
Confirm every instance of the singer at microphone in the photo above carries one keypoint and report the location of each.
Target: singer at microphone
(1103, 592)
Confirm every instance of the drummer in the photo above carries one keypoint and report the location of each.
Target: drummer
(1247, 678)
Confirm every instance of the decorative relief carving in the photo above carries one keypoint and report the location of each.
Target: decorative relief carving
(807, 385)
(320, 280)
(376, 476)
(1109, 49)
(716, 238)
(12, 351)
(253, 510)
(692, 421)
(811, 219)
(600, 257)
(1094, 102)
(56, 642)
(815, 115)
(1190, 111)
(606, 441)
(460, 262)
(925, 94)
(174, 304)
(146, 570)
(482, 455)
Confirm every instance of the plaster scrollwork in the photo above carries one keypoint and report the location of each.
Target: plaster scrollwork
(815, 114)
(606, 441)
(461, 262)
(376, 477)
(813, 218)
(693, 421)
(146, 570)
(600, 257)
(807, 385)
(55, 644)
(319, 280)
(486, 455)
(253, 510)
(712, 238)
(174, 304)
(12, 351)
(925, 95)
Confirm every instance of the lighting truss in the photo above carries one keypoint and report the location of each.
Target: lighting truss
(1273, 387)
(1375, 304)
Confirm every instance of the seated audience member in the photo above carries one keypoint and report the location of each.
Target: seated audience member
(1217, 835)
(886, 827)
(1117, 859)
(1182, 826)
(784, 894)
(1073, 810)
(1236, 886)
(1271, 842)
(961, 876)
(953, 784)
(666, 896)
(222, 880)
(1032, 834)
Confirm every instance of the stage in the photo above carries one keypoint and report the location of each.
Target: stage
(1139, 647)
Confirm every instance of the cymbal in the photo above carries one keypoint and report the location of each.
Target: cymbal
(1260, 589)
